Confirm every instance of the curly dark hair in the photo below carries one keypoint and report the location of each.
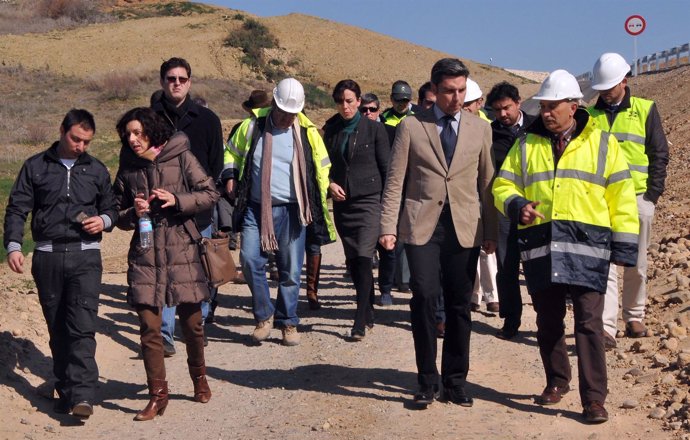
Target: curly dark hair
(155, 127)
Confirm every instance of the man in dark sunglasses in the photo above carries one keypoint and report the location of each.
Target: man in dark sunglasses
(203, 128)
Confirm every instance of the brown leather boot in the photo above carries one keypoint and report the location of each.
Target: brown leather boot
(313, 274)
(202, 393)
(158, 390)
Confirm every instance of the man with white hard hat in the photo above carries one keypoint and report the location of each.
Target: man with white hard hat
(636, 123)
(474, 100)
(276, 169)
(567, 185)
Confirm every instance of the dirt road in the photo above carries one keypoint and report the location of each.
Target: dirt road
(325, 388)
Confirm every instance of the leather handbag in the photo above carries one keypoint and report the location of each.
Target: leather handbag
(217, 260)
(214, 252)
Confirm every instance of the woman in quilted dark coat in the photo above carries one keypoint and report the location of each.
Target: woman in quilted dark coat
(159, 175)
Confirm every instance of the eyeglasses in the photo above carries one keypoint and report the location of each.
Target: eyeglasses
(174, 79)
(366, 110)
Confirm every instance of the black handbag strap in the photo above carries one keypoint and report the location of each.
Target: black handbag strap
(190, 223)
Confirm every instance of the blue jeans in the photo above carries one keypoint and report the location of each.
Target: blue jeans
(168, 324)
(289, 259)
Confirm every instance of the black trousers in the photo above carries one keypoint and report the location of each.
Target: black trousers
(68, 286)
(387, 263)
(588, 307)
(508, 273)
(442, 267)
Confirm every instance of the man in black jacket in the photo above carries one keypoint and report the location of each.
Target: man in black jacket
(69, 196)
(204, 131)
(510, 123)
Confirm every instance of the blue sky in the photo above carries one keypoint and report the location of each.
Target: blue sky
(539, 35)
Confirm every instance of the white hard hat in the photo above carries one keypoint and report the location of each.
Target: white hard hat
(473, 91)
(559, 85)
(289, 95)
(609, 71)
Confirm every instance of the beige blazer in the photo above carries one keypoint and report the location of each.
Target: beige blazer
(418, 167)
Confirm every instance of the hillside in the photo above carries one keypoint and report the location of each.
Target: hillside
(140, 44)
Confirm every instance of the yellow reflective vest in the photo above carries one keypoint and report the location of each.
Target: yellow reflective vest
(240, 149)
(588, 202)
(482, 115)
(390, 117)
(629, 128)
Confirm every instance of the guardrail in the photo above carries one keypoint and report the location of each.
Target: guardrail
(664, 60)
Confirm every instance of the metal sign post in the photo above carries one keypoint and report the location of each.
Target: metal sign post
(635, 25)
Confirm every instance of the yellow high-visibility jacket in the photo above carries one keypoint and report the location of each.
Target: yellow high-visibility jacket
(636, 124)
(588, 202)
(238, 157)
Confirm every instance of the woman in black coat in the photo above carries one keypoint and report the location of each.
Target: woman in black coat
(359, 152)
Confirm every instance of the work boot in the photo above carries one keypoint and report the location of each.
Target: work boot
(313, 274)
(262, 330)
(158, 390)
(290, 336)
(202, 392)
(635, 329)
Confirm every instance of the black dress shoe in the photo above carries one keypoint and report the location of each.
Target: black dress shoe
(62, 406)
(507, 332)
(82, 409)
(426, 395)
(458, 396)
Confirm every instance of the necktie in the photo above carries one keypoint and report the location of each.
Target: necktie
(515, 129)
(448, 138)
(559, 145)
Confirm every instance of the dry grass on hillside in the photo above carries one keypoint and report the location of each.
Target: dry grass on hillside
(36, 100)
(319, 54)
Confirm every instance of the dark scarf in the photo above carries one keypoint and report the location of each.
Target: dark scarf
(349, 127)
(175, 113)
(269, 243)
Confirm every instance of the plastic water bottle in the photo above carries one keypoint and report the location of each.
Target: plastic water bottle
(145, 231)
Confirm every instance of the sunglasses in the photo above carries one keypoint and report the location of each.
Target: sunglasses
(173, 79)
(366, 110)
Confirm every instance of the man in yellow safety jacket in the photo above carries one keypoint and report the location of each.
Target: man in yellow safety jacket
(567, 185)
(276, 169)
(636, 123)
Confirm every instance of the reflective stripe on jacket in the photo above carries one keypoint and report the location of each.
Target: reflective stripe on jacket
(629, 128)
(241, 146)
(588, 202)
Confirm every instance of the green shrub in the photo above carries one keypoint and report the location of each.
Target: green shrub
(252, 37)
(172, 9)
(316, 97)
(181, 8)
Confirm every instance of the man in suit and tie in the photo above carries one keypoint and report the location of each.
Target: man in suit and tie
(442, 158)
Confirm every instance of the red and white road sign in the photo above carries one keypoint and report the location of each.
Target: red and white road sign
(635, 25)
